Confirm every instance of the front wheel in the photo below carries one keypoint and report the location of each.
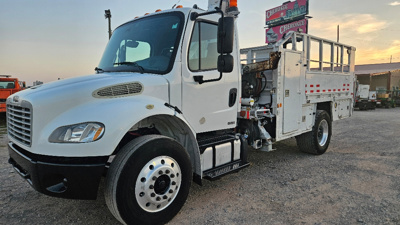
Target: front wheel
(317, 140)
(148, 181)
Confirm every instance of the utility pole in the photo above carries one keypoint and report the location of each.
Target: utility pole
(337, 47)
(391, 57)
(107, 15)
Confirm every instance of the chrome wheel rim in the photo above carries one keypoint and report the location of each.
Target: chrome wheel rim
(158, 184)
(323, 131)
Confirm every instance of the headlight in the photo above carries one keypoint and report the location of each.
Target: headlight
(78, 133)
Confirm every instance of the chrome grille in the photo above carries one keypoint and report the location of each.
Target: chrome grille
(19, 123)
(119, 90)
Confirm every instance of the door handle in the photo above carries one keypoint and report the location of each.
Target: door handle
(232, 97)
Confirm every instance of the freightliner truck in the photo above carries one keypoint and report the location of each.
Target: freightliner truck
(171, 103)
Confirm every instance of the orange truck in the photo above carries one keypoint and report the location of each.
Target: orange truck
(9, 86)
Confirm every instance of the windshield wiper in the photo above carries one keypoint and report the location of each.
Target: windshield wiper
(99, 70)
(141, 70)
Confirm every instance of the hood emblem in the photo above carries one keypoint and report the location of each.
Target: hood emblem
(16, 98)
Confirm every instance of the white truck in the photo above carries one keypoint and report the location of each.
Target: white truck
(169, 104)
(365, 99)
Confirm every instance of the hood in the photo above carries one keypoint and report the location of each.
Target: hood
(53, 99)
(83, 87)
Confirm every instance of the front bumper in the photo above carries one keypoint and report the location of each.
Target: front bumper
(65, 177)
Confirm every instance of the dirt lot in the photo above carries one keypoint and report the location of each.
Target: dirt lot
(356, 182)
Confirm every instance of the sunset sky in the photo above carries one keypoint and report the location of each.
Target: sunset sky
(47, 39)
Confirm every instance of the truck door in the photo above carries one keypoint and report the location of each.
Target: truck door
(292, 110)
(207, 106)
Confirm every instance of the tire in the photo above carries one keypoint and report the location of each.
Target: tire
(317, 140)
(387, 105)
(148, 181)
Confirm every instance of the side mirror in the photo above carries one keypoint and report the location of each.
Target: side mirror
(225, 63)
(226, 30)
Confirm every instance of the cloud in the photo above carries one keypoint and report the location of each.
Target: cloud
(364, 31)
(375, 54)
(349, 24)
(396, 3)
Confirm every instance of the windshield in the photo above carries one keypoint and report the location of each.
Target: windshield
(145, 45)
(7, 84)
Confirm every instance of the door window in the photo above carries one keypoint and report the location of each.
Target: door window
(203, 53)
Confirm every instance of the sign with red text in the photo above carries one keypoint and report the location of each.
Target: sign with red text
(274, 34)
(286, 13)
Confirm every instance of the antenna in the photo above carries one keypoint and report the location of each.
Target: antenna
(176, 4)
(107, 15)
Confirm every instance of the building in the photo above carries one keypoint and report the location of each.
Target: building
(35, 83)
(382, 76)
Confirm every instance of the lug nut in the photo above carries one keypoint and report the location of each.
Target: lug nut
(164, 197)
(171, 191)
(153, 195)
(167, 172)
(154, 178)
(173, 183)
(141, 194)
(151, 187)
(160, 172)
(172, 175)
(158, 199)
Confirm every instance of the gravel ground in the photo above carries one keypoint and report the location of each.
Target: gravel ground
(357, 181)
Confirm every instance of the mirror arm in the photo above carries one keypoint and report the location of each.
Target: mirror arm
(199, 79)
(195, 15)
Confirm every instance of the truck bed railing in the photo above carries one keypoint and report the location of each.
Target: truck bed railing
(319, 54)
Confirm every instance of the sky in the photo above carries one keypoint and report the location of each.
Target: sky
(50, 39)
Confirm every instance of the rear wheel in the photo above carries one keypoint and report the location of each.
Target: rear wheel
(317, 140)
(365, 106)
(148, 181)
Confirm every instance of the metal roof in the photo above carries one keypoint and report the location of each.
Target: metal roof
(376, 68)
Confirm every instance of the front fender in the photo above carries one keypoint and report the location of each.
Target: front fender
(118, 116)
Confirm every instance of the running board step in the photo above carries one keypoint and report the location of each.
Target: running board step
(213, 174)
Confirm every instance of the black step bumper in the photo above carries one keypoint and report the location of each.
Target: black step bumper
(65, 177)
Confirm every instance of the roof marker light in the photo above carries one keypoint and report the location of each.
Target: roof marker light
(179, 7)
(233, 3)
(158, 10)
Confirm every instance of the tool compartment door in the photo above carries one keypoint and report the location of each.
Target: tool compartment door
(292, 110)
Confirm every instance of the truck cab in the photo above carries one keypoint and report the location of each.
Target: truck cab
(8, 86)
